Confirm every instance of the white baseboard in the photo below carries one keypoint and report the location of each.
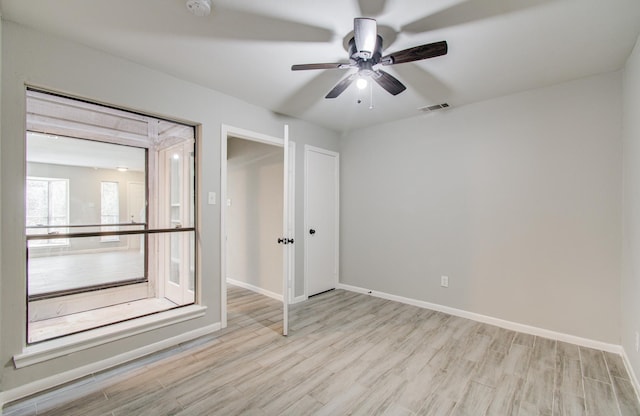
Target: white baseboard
(77, 373)
(256, 289)
(514, 326)
(299, 299)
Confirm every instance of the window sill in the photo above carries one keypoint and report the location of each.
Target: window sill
(49, 350)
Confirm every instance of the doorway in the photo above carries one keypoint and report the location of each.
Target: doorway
(257, 250)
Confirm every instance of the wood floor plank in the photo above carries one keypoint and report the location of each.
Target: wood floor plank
(297, 390)
(349, 353)
(544, 353)
(506, 399)
(517, 361)
(475, 400)
(600, 398)
(306, 405)
(437, 405)
(567, 405)
(343, 401)
(490, 370)
(626, 396)
(538, 390)
(525, 340)
(424, 384)
(593, 365)
(615, 365)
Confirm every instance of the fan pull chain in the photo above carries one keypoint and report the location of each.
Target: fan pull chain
(370, 95)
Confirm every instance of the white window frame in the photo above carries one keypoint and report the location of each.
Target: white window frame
(155, 136)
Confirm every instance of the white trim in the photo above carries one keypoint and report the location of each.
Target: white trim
(253, 136)
(632, 374)
(48, 350)
(42, 309)
(254, 288)
(336, 155)
(68, 376)
(514, 326)
(225, 132)
(292, 221)
(299, 299)
(224, 137)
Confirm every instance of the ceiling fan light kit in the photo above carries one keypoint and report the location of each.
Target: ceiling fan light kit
(199, 7)
(365, 55)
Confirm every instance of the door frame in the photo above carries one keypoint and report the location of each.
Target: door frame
(336, 155)
(231, 131)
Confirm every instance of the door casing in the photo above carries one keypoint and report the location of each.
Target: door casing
(289, 265)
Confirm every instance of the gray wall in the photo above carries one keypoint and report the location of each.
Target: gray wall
(46, 61)
(517, 200)
(255, 187)
(630, 310)
(1, 198)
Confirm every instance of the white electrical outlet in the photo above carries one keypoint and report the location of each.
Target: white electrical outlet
(637, 342)
(444, 281)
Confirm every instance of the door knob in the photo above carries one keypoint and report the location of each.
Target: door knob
(312, 231)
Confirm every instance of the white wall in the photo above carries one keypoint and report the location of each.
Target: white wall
(42, 60)
(630, 310)
(255, 187)
(517, 200)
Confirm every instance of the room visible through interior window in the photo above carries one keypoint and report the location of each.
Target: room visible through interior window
(110, 215)
(109, 209)
(47, 205)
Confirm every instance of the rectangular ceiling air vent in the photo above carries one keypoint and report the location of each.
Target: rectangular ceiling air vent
(429, 108)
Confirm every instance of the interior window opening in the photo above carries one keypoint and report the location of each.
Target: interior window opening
(109, 215)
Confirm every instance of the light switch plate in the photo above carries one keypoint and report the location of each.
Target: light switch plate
(212, 198)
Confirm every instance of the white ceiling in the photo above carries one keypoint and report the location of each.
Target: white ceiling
(245, 48)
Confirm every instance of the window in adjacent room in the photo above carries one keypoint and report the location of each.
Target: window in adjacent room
(47, 205)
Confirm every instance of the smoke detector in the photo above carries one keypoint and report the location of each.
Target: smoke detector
(199, 7)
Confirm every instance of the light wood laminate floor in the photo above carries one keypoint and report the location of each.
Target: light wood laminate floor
(72, 271)
(349, 353)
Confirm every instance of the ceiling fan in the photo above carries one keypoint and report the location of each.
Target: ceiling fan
(365, 54)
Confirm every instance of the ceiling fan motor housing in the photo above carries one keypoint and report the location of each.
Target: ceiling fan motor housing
(374, 56)
(365, 32)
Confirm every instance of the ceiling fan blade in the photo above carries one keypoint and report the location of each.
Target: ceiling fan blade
(468, 11)
(388, 82)
(341, 86)
(416, 53)
(365, 34)
(303, 67)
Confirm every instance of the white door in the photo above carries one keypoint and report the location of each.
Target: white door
(321, 219)
(177, 212)
(288, 235)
